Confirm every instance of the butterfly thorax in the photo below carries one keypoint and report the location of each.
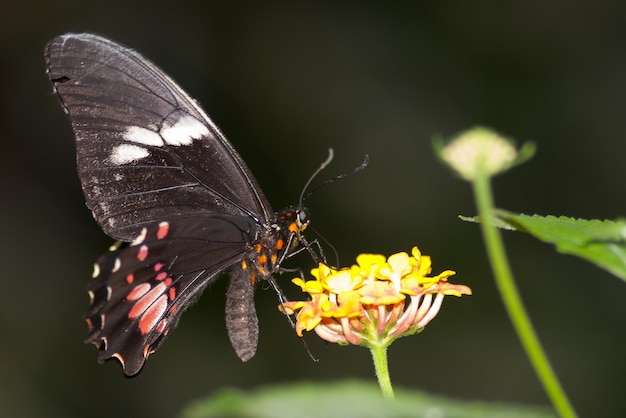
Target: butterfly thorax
(276, 243)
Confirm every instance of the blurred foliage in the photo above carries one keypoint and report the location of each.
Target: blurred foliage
(602, 242)
(347, 399)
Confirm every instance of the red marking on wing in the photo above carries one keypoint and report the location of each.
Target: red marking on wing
(172, 293)
(158, 266)
(161, 326)
(143, 253)
(130, 278)
(146, 300)
(138, 291)
(161, 276)
(153, 314)
(164, 228)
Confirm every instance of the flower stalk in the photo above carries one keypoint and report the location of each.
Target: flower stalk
(381, 366)
(476, 156)
(513, 302)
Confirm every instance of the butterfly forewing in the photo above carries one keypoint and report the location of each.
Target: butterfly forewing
(145, 150)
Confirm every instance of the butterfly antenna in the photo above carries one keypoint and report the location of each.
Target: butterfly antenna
(331, 155)
(304, 196)
(366, 160)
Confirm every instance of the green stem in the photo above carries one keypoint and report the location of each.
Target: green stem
(379, 355)
(512, 301)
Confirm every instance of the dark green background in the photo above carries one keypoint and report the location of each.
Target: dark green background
(285, 81)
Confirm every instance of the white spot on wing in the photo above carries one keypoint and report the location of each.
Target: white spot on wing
(116, 265)
(127, 153)
(96, 270)
(184, 131)
(112, 222)
(104, 208)
(119, 358)
(144, 136)
(140, 238)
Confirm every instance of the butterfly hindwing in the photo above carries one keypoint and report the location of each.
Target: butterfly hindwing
(145, 150)
(140, 290)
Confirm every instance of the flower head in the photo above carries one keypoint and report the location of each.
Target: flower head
(373, 302)
(481, 151)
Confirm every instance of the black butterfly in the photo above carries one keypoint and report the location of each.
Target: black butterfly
(159, 175)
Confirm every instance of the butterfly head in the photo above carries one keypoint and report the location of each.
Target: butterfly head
(301, 219)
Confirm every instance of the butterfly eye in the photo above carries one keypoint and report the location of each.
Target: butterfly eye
(302, 219)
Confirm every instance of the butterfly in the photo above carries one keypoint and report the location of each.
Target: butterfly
(160, 177)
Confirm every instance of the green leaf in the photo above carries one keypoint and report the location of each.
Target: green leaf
(600, 242)
(349, 399)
